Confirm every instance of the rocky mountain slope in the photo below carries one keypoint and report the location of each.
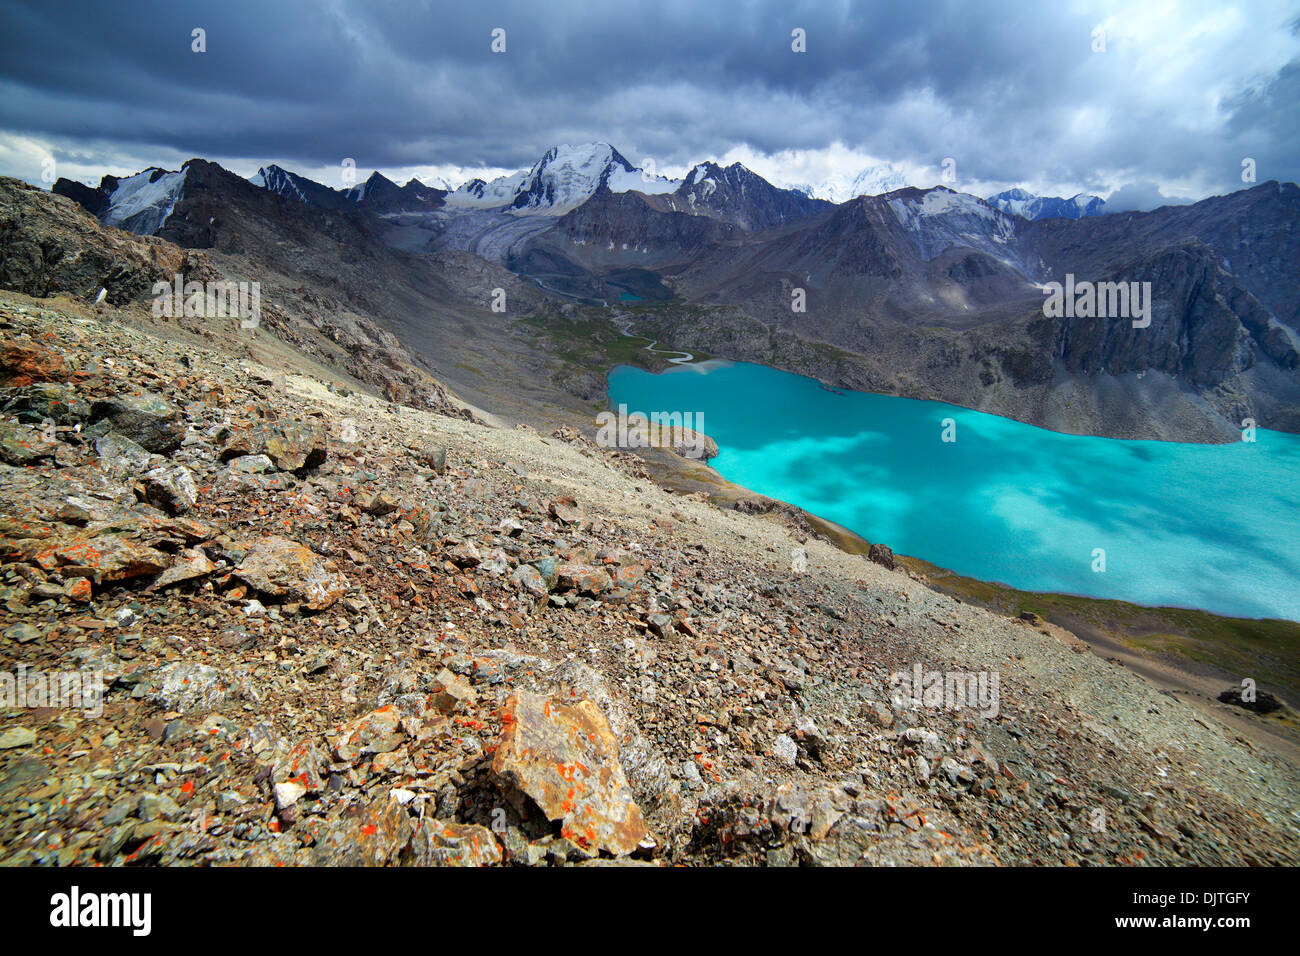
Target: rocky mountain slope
(340, 630)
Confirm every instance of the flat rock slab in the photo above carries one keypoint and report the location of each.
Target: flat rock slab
(149, 420)
(564, 756)
(105, 558)
(191, 563)
(189, 687)
(284, 568)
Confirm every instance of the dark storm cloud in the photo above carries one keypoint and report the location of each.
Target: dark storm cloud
(1013, 92)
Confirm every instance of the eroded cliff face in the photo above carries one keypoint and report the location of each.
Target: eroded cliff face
(1203, 326)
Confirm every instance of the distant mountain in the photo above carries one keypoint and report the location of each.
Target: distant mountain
(563, 179)
(381, 195)
(943, 288)
(378, 194)
(872, 181)
(139, 203)
(478, 193)
(568, 176)
(276, 179)
(923, 292)
(739, 196)
(939, 218)
(1026, 205)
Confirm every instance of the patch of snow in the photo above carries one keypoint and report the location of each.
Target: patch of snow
(942, 218)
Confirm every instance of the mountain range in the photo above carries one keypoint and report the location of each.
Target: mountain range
(1028, 206)
(931, 293)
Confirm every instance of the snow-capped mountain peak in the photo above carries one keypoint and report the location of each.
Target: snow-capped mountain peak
(872, 181)
(481, 194)
(568, 176)
(1027, 205)
(563, 179)
(278, 180)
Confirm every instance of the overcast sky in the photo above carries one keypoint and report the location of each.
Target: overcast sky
(1013, 92)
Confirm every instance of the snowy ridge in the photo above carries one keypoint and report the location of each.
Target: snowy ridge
(1026, 205)
(563, 179)
(280, 181)
(477, 194)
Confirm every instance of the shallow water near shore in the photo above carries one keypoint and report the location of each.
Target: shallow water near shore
(1214, 527)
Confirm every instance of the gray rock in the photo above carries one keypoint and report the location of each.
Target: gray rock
(171, 489)
(785, 750)
(186, 686)
(149, 420)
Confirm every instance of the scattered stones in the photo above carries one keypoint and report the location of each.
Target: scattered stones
(366, 659)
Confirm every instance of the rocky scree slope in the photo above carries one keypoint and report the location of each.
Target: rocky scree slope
(336, 630)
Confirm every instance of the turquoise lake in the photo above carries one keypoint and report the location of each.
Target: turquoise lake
(1215, 527)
